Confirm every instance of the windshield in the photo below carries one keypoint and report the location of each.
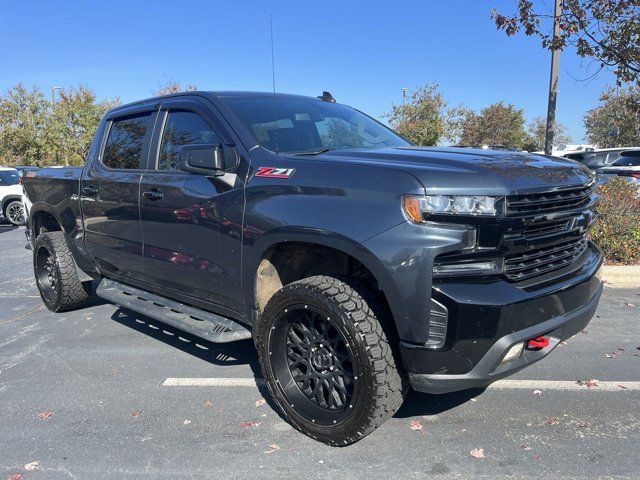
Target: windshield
(300, 125)
(9, 177)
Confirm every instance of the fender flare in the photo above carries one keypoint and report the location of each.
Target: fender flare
(255, 254)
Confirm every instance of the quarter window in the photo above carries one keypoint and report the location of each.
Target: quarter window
(182, 128)
(125, 142)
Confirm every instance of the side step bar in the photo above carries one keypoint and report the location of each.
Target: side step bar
(197, 322)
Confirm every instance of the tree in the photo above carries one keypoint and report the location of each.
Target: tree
(607, 31)
(72, 124)
(536, 132)
(496, 124)
(421, 119)
(615, 122)
(172, 86)
(23, 119)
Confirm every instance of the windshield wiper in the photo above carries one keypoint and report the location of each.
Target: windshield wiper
(315, 152)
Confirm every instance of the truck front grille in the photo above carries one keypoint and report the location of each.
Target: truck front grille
(549, 202)
(535, 262)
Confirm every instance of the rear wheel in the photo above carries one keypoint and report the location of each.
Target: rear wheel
(327, 360)
(14, 212)
(56, 275)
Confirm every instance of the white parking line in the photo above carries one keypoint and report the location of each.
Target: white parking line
(597, 386)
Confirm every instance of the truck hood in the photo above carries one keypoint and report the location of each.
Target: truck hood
(473, 171)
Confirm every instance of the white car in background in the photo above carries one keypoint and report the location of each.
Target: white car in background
(11, 196)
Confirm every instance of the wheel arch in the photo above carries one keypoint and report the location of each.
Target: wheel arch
(308, 252)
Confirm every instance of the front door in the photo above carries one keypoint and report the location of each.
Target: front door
(181, 215)
(109, 193)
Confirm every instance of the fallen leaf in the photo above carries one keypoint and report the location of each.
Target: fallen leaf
(525, 447)
(45, 414)
(15, 476)
(553, 420)
(272, 448)
(623, 387)
(187, 422)
(629, 304)
(608, 355)
(584, 424)
(562, 344)
(207, 404)
(537, 392)
(622, 349)
(30, 467)
(249, 423)
(587, 383)
(415, 425)
(260, 402)
(529, 424)
(136, 413)
(219, 410)
(537, 457)
(584, 332)
(477, 453)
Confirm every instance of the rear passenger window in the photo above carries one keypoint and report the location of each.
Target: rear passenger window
(125, 141)
(182, 128)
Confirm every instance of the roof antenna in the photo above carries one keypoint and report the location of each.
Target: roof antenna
(273, 79)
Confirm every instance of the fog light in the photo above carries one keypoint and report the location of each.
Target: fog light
(514, 352)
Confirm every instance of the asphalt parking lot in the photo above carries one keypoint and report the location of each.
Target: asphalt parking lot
(106, 393)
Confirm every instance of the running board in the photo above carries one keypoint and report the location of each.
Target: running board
(200, 323)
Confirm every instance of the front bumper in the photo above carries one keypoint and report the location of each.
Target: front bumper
(487, 319)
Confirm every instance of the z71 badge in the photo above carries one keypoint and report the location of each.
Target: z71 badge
(273, 172)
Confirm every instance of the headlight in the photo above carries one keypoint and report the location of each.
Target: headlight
(416, 206)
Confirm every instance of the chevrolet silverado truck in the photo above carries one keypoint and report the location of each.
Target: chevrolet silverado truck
(360, 265)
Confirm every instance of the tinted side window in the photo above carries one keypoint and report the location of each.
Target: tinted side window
(9, 177)
(125, 141)
(182, 128)
(627, 161)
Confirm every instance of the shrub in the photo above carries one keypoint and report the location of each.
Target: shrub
(617, 230)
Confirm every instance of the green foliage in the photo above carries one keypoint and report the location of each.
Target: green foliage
(605, 30)
(422, 118)
(615, 122)
(536, 133)
(172, 86)
(496, 124)
(617, 230)
(36, 132)
(23, 125)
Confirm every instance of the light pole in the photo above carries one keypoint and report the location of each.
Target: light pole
(53, 104)
(553, 82)
(404, 95)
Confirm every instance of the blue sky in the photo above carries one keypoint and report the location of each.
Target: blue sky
(363, 52)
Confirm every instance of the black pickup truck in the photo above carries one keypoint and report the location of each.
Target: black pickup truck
(359, 263)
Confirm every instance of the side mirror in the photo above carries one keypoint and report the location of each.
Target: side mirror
(207, 159)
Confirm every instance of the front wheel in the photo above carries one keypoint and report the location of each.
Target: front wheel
(327, 360)
(14, 212)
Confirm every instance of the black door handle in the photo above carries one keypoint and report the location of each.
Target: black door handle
(90, 190)
(152, 195)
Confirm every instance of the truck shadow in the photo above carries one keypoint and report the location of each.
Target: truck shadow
(417, 403)
(243, 353)
(234, 353)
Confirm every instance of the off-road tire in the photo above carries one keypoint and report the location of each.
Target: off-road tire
(358, 315)
(69, 292)
(10, 216)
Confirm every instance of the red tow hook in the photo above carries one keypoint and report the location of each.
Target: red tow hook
(538, 342)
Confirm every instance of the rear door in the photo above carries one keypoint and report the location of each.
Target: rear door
(183, 214)
(109, 192)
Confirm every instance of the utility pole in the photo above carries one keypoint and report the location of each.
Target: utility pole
(404, 95)
(53, 104)
(553, 81)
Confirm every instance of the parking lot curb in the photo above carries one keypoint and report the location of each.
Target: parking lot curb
(622, 276)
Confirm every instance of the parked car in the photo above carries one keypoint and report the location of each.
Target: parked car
(359, 263)
(596, 159)
(627, 167)
(11, 195)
